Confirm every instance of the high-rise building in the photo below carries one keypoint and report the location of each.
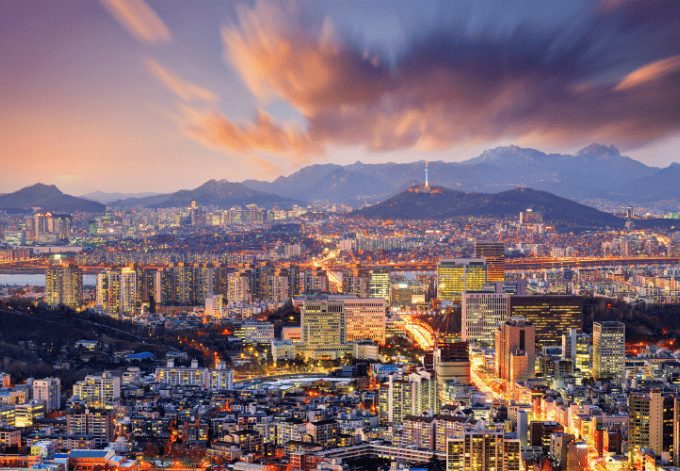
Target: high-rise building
(314, 280)
(239, 286)
(577, 348)
(482, 450)
(456, 276)
(552, 315)
(331, 321)
(117, 290)
(48, 228)
(98, 390)
(48, 391)
(97, 423)
(609, 350)
(415, 394)
(364, 319)
(64, 285)
(355, 282)
(482, 314)
(451, 362)
(494, 254)
(515, 349)
(379, 284)
(650, 426)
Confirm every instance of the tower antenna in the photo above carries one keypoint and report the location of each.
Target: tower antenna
(427, 175)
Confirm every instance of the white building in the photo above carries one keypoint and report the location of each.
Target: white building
(48, 391)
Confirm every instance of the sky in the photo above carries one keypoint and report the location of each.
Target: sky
(154, 96)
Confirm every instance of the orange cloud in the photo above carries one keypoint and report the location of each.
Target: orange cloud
(650, 72)
(139, 19)
(260, 135)
(181, 88)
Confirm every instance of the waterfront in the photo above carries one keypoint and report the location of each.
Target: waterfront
(36, 279)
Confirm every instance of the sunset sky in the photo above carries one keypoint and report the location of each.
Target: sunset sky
(127, 95)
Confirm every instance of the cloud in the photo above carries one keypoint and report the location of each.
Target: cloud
(451, 86)
(212, 129)
(179, 87)
(650, 72)
(139, 19)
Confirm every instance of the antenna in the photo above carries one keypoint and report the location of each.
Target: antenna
(427, 175)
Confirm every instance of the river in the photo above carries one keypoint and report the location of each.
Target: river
(19, 279)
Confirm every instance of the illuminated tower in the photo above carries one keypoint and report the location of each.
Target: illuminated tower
(427, 175)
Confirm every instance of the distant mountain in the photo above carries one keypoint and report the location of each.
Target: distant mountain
(220, 193)
(596, 171)
(663, 184)
(108, 197)
(443, 203)
(48, 198)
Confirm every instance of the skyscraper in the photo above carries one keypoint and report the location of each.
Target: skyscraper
(64, 285)
(515, 349)
(379, 284)
(650, 422)
(494, 254)
(609, 350)
(482, 314)
(576, 347)
(456, 276)
(552, 315)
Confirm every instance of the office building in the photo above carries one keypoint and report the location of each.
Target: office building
(482, 314)
(651, 422)
(64, 285)
(515, 349)
(329, 322)
(379, 284)
(577, 348)
(456, 276)
(48, 391)
(494, 255)
(551, 315)
(364, 319)
(451, 363)
(609, 350)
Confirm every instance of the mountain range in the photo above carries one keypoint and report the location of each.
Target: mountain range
(594, 172)
(443, 203)
(105, 197)
(47, 198)
(220, 193)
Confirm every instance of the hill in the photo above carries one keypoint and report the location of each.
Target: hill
(443, 203)
(105, 197)
(596, 171)
(48, 198)
(220, 193)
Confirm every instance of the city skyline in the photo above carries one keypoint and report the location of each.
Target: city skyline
(155, 96)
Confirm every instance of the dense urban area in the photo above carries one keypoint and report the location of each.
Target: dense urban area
(315, 338)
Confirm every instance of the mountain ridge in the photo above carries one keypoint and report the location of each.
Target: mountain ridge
(443, 203)
(47, 198)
